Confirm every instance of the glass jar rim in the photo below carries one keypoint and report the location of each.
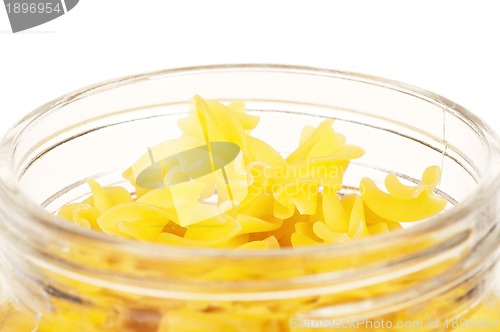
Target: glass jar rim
(12, 196)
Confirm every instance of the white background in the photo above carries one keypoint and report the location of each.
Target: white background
(448, 47)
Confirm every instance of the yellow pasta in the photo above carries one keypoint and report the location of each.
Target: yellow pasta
(388, 206)
(82, 214)
(294, 201)
(136, 220)
(430, 179)
(357, 223)
(322, 231)
(267, 243)
(263, 202)
(104, 199)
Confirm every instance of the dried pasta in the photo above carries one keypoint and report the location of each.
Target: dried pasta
(264, 201)
(286, 202)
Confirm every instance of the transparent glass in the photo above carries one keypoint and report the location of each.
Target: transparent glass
(60, 277)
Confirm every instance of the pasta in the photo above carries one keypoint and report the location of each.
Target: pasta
(263, 198)
(259, 200)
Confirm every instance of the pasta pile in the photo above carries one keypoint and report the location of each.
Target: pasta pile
(217, 186)
(266, 202)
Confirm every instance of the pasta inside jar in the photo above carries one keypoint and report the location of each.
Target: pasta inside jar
(363, 204)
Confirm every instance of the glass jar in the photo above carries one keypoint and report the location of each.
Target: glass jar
(434, 275)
